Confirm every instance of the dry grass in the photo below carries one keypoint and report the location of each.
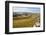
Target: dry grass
(25, 21)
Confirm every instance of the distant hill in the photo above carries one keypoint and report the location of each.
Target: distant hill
(22, 13)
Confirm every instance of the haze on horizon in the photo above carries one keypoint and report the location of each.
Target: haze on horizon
(26, 9)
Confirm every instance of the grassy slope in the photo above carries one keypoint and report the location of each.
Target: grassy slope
(26, 21)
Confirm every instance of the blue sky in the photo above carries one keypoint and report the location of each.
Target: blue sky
(27, 9)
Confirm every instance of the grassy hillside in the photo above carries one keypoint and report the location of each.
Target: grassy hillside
(28, 21)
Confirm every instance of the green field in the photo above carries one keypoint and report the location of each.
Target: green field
(28, 21)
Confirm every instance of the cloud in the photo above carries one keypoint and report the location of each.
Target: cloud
(27, 9)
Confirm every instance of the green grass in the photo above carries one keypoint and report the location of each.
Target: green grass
(25, 21)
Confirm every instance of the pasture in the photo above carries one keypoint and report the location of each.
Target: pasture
(27, 21)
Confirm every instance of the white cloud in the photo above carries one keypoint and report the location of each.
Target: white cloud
(26, 9)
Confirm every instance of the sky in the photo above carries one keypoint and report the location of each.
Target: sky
(26, 9)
